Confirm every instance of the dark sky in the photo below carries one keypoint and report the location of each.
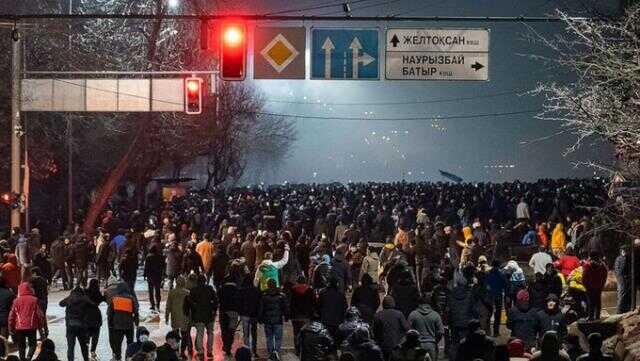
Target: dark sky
(478, 149)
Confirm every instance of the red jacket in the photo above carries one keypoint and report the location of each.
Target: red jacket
(594, 275)
(566, 264)
(11, 272)
(25, 313)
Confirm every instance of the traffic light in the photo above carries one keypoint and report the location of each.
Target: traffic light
(233, 51)
(193, 95)
(10, 199)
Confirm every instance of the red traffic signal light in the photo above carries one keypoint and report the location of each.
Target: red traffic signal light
(11, 199)
(193, 95)
(6, 198)
(233, 51)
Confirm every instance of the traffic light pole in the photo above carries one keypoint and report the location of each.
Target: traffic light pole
(16, 127)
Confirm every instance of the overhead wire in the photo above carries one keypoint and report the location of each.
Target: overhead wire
(448, 117)
(442, 100)
(332, 4)
(386, 2)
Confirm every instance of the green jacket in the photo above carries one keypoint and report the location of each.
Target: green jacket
(175, 309)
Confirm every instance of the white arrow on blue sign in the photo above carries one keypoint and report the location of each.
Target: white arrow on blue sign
(345, 54)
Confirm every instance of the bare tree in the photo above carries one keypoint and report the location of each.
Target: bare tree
(603, 102)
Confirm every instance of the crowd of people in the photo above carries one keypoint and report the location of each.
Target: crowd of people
(402, 272)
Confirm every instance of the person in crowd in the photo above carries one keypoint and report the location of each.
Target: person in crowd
(268, 269)
(174, 262)
(476, 344)
(202, 304)
(539, 261)
(142, 336)
(429, 326)
(177, 313)
(47, 351)
(80, 252)
(23, 255)
(274, 311)
(40, 288)
(410, 349)
(301, 299)
(496, 285)
(366, 298)
(522, 210)
(122, 316)
(522, 319)
(77, 306)
(360, 347)
(594, 278)
(6, 301)
(332, 305)
(230, 306)
(558, 240)
(93, 318)
(10, 271)
(169, 351)
(250, 307)
(341, 271)
(389, 326)
(58, 256)
(206, 250)
(129, 267)
(622, 271)
(567, 262)
(551, 319)
(315, 342)
(595, 350)
(352, 321)
(154, 266)
(404, 292)
(25, 319)
(550, 349)
(460, 308)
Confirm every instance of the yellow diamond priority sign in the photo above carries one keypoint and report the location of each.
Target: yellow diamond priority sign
(280, 53)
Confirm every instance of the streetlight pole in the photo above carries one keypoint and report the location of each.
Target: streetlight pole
(16, 127)
(69, 148)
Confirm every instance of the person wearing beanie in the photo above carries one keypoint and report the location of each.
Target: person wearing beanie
(521, 320)
(409, 349)
(389, 326)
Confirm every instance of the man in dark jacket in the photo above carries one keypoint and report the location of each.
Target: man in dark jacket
(622, 270)
(77, 306)
(476, 344)
(81, 260)
(169, 351)
(351, 322)
(429, 325)
(301, 298)
(332, 304)
(405, 293)
(122, 316)
(341, 271)
(360, 347)
(366, 298)
(460, 309)
(522, 319)
(496, 284)
(202, 304)
(410, 349)
(174, 262)
(551, 319)
(274, 310)
(57, 253)
(249, 313)
(230, 306)
(389, 326)
(6, 300)
(315, 342)
(154, 266)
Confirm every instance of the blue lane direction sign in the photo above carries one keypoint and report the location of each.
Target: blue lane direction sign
(345, 54)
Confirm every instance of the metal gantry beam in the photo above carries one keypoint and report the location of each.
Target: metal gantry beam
(259, 17)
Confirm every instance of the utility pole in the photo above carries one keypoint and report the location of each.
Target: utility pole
(16, 127)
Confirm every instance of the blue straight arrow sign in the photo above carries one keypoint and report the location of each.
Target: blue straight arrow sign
(344, 54)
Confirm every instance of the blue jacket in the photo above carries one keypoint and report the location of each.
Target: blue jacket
(496, 283)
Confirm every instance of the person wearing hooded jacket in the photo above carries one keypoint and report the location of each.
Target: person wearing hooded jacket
(551, 319)
(522, 319)
(122, 316)
(10, 271)
(77, 306)
(360, 347)
(315, 342)
(93, 317)
(341, 271)
(405, 293)
(476, 344)
(410, 349)
(429, 325)
(331, 305)
(6, 301)
(370, 266)
(268, 269)
(176, 313)
(389, 326)
(321, 274)
(352, 321)
(202, 305)
(366, 298)
(25, 318)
